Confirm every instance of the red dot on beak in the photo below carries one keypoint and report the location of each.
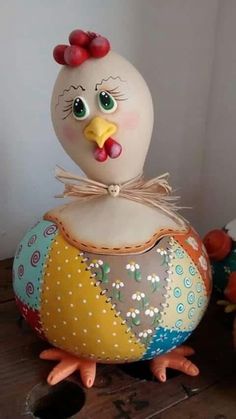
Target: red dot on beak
(113, 148)
(100, 154)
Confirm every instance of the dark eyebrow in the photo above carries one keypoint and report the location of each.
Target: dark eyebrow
(67, 90)
(110, 77)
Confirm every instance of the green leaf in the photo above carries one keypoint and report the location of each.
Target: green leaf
(138, 276)
(106, 268)
(136, 321)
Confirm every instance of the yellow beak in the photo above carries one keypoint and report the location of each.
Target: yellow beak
(99, 130)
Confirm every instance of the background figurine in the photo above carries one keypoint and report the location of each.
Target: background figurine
(115, 275)
(221, 248)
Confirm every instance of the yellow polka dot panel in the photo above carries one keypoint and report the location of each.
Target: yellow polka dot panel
(77, 315)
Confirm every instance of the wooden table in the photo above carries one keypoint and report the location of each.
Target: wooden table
(119, 392)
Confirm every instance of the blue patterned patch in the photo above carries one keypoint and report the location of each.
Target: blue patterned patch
(29, 260)
(164, 340)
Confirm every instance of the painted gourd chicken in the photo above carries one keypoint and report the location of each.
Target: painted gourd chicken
(115, 274)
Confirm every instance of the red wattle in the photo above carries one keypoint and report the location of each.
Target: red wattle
(100, 154)
(113, 148)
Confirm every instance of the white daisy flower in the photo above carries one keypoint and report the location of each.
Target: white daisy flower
(145, 333)
(192, 242)
(132, 266)
(161, 251)
(118, 284)
(151, 311)
(153, 278)
(96, 263)
(203, 262)
(133, 312)
(138, 296)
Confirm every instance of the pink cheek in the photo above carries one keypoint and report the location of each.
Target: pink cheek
(69, 133)
(129, 120)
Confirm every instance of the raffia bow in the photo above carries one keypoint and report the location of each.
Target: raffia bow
(155, 192)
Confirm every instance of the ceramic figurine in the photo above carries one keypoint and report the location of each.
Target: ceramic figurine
(221, 248)
(115, 274)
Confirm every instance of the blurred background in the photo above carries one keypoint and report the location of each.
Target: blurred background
(185, 50)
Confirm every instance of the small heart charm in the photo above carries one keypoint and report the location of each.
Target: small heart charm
(114, 190)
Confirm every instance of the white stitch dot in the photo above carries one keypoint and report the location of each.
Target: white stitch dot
(47, 288)
(54, 326)
(97, 296)
(90, 314)
(58, 268)
(58, 297)
(104, 311)
(91, 283)
(58, 252)
(63, 338)
(66, 247)
(50, 260)
(116, 345)
(114, 334)
(79, 271)
(64, 322)
(98, 340)
(71, 305)
(84, 344)
(74, 333)
(76, 258)
(59, 310)
(84, 301)
(85, 330)
(67, 260)
(48, 314)
(98, 326)
(114, 323)
(70, 292)
(48, 274)
(58, 282)
(69, 275)
(132, 350)
(80, 285)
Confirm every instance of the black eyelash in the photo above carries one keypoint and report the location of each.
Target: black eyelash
(67, 114)
(117, 94)
(68, 108)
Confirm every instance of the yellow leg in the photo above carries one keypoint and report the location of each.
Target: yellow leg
(175, 359)
(67, 365)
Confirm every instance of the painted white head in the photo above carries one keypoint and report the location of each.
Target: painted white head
(102, 113)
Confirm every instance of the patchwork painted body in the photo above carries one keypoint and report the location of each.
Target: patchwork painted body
(111, 308)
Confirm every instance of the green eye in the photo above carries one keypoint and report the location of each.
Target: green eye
(106, 102)
(80, 108)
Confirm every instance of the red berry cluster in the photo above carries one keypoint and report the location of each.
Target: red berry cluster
(82, 46)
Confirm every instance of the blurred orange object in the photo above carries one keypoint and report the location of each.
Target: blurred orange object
(218, 244)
